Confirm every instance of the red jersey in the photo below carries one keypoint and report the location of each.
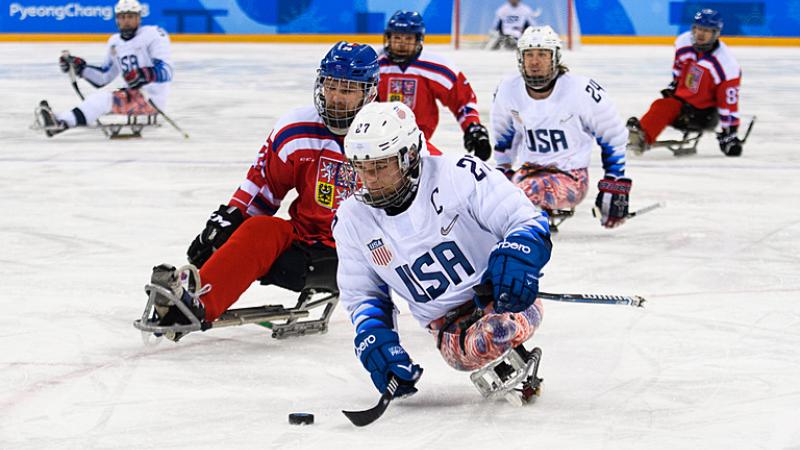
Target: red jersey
(301, 153)
(419, 84)
(708, 79)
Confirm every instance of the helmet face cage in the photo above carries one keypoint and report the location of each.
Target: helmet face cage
(127, 7)
(710, 20)
(538, 81)
(394, 178)
(543, 38)
(347, 79)
(339, 113)
(404, 22)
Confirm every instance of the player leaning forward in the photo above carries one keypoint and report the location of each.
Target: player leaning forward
(431, 229)
(140, 53)
(549, 121)
(243, 241)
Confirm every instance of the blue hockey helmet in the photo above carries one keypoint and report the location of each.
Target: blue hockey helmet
(708, 19)
(347, 79)
(404, 22)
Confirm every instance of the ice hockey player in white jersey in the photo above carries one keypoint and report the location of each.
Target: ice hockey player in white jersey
(140, 53)
(548, 121)
(430, 229)
(510, 20)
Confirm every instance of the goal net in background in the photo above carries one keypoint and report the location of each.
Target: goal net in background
(473, 19)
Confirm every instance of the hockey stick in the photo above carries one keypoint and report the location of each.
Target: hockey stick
(598, 299)
(74, 81)
(597, 213)
(367, 416)
(166, 117)
(749, 129)
(484, 291)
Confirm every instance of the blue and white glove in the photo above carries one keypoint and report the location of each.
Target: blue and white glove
(381, 354)
(514, 268)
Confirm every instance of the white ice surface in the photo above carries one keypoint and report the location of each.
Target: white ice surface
(712, 362)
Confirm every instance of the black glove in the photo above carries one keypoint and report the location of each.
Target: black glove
(220, 226)
(68, 60)
(729, 141)
(137, 78)
(612, 200)
(670, 90)
(476, 140)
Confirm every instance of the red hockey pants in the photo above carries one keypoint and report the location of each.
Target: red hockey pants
(662, 113)
(247, 256)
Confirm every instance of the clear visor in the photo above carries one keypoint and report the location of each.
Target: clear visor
(338, 100)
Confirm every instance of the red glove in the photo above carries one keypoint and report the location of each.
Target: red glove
(137, 78)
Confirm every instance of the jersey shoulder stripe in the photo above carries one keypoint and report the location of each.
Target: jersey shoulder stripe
(436, 67)
(300, 123)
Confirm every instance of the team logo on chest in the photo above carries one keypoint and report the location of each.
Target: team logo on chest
(403, 90)
(381, 255)
(693, 78)
(335, 182)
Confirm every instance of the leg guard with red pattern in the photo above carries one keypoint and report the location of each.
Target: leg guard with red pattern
(553, 189)
(488, 338)
(131, 102)
(244, 258)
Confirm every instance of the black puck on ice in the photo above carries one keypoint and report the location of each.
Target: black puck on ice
(301, 418)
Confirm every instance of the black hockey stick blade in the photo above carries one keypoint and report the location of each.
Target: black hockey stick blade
(367, 416)
(749, 129)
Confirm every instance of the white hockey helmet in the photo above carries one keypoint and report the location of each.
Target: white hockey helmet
(539, 38)
(383, 144)
(128, 6)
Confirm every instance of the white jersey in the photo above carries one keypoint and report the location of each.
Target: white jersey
(148, 48)
(512, 20)
(433, 253)
(560, 130)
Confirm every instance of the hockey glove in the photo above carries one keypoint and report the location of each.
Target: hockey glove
(670, 90)
(68, 60)
(476, 140)
(381, 354)
(514, 269)
(219, 227)
(729, 142)
(137, 78)
(612, 200)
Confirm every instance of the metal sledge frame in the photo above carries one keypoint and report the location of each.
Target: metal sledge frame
(691, 137)
(556, 217)
(504, 376)
(284, 322)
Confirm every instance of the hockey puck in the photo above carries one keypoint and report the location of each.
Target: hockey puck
(301, 419)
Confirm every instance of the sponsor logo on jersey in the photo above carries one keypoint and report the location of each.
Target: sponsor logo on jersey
(693, 78)
(403, 90)
(335, 182)
(381, 255)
